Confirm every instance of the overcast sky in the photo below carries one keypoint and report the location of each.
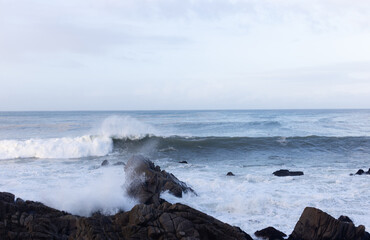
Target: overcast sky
(184, 54)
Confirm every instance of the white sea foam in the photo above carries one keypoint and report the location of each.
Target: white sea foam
(56, 147)
(255, 199)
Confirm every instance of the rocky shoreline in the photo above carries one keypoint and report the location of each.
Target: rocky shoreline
(155, 218)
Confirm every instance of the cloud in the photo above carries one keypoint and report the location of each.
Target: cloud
(177, 54)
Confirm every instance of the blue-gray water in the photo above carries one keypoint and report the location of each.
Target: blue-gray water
(54, 157)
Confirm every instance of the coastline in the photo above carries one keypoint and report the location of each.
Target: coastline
(153, 217)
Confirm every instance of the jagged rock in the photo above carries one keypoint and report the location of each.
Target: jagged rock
(345, 219)
(230, 174)
(184, 162)
(158, 220)
(147, 181)
(315, 224)
(105, 163)
(286, 172)
(270, 233)
(33, 220)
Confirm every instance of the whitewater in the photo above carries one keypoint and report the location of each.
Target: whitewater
(55, 158)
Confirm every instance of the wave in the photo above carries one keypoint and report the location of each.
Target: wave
(77, 147)
(86, 146)
(178, 143)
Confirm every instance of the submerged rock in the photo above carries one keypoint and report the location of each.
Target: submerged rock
(230, 174)
(286, 172)
(105, 163)
(119, 164)
(270, 233)
(315, 224)
(184, 162)
(361, 172)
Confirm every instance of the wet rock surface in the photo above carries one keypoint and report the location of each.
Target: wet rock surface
(286, 172)
(315, 224)
(270, 233)
(147, 181)
(33, 220)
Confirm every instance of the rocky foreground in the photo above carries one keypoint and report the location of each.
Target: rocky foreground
(154, 218)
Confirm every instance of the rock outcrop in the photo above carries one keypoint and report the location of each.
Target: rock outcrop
(286, 172)
(154, 218)
(32, 220)
(315, 224)
(147, 181)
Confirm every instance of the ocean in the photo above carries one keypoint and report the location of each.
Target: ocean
(55, 158)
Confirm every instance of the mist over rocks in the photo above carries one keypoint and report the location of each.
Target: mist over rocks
(154, 218)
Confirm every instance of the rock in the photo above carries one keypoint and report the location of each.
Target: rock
(270, 233)
(119, 164)
(285, 172)
(147, 181)
(345, 219)
(230, 174)
(315, 224)
(33, 220)
(361, 172)
(105, 163)
(184, 162)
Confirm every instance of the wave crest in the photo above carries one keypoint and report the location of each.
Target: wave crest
(56, 147)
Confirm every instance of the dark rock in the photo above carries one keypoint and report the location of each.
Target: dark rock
(105, 163)
(184, 162)
(285, 172)
(119, 164)
(230, 174)
(360, 172)
(147, 181)
(345, 219)
(32, 220)
(315, 224)
(270, 233)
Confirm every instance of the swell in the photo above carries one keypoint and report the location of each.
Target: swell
(178, 143)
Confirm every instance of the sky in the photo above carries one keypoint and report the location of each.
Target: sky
(184, 54)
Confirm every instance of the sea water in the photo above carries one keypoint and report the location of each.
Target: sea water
(55, 158)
